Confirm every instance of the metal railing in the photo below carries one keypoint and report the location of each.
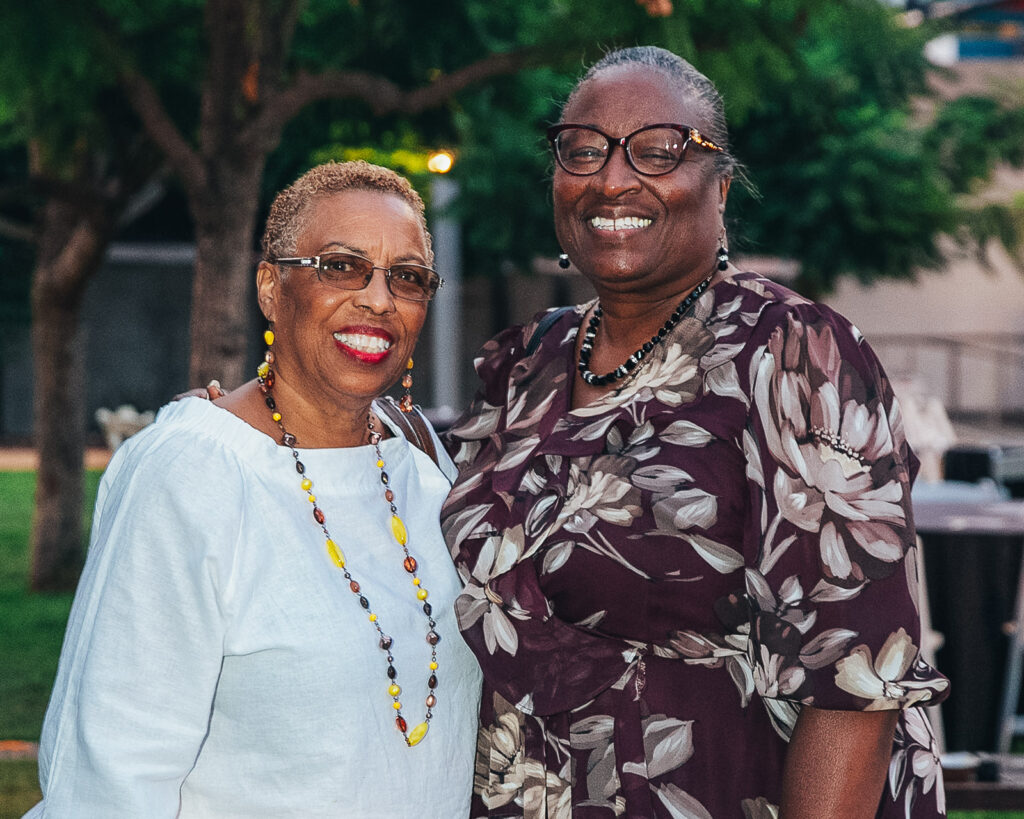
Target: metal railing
(975, 375)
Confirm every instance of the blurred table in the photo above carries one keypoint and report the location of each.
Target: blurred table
(973, 545)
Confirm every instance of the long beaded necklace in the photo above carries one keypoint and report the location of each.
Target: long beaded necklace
(587, 347)
(265, 377)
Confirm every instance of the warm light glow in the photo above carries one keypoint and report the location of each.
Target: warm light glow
(440, 162)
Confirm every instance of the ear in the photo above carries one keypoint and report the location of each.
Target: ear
(268, 288)
(724, 184)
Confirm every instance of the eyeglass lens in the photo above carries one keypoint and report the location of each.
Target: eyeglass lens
(651, 151)
(407, 281)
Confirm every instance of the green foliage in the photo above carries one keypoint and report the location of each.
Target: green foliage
(971, 134)
(818, 96)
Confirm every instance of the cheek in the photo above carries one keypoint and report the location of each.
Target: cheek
(413, 318)
(564, 195)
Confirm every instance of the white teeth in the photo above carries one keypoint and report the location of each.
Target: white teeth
(623, 223)
(365, 344)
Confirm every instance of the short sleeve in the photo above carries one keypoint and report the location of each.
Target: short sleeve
(143, 650)
(832, 588)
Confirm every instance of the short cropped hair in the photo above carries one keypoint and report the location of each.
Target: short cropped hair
(688, 80)
(291, 207)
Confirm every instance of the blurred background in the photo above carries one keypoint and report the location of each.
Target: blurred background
(141, 143)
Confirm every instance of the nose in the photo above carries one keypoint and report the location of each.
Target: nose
(617, 177)
(376, 296)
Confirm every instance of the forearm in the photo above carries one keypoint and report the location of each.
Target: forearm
(836, 764)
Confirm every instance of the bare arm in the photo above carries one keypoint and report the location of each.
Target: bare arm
(836, 764)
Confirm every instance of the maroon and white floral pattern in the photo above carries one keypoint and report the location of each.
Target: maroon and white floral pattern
(656, 582)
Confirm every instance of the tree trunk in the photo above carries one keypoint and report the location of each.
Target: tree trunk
(70, 250)
(223, 289)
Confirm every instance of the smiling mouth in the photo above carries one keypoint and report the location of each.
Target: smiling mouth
(363, 344)
(622, 223)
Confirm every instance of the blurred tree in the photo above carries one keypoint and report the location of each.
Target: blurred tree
(75, 169)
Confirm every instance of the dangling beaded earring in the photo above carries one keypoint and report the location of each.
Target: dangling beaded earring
(723, 253)
(264, 371)
(563, 261)
(405, 402)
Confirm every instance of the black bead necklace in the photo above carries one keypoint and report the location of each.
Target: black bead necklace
(630, 364)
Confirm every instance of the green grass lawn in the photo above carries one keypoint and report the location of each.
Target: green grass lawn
(31, 630)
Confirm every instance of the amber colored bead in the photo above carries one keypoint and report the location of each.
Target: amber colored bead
(431, 701)
(269, 378)
(410, 564)
(407, 381)
(405, 403)
(318, 516)
(389, 496)
(408, 364)
(354, 586)
(402, 726)
(432, 682)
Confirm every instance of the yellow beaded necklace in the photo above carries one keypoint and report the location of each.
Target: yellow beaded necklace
(265, 376)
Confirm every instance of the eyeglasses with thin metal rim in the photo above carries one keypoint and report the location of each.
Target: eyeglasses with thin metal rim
(350, 271)
(583, 150)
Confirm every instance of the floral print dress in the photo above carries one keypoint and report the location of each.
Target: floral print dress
(657, 581)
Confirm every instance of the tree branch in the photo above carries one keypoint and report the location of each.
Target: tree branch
(16, 231)
(161, 129)
(381, 94)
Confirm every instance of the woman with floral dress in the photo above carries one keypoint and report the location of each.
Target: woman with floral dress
(683, 512)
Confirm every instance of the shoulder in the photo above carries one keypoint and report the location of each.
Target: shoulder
(771, 309)
(546, 331)
(191, 450)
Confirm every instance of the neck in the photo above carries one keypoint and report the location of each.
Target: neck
(631, 317)
(319, 424)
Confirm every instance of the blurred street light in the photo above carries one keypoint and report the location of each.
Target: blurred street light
(446, 309)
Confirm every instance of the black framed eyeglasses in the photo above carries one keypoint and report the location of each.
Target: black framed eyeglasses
(653, 150)
(349, 271)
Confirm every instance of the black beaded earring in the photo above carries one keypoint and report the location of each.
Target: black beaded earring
(563, 261)
(723, 254)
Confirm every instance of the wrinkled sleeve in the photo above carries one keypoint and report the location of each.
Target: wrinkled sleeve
(832, 578)
(142, 654)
